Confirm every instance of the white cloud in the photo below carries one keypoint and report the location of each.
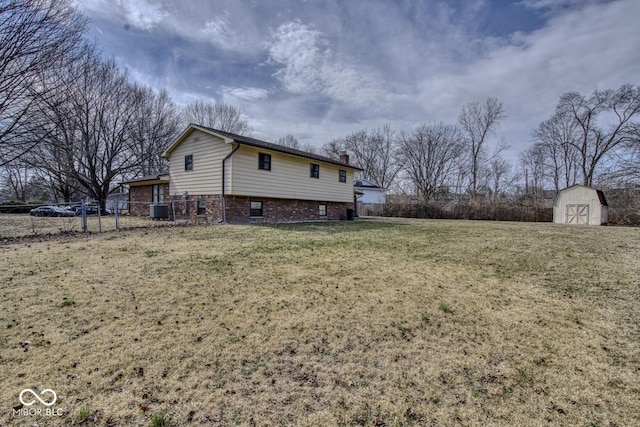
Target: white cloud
(365, 64)
(220, 32)
(580, 50)
(309, 66)
(303, 53)
(143, 14)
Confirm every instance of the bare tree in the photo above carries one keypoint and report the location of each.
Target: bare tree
(628, 172)
(15, 179)
(478, 121)
(333, 148)
(289, 141)
(19, 180)
(49, 162)
(388, 165)
(429, 154)
(501, 176)
(89, 124)
(605, 121)
(555, 139)
(35, 36)
(155, 125)
(224, 117)
(375, 153)
(533, 167)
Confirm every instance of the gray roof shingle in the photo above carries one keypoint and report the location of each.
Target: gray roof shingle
(280, 148)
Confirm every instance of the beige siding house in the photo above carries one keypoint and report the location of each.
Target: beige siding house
(234, 178)
(580, 205)
(206, 151)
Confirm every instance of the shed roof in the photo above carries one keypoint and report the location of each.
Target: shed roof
(148, 179)
(601, 198)
(603, 201)
(365, 183)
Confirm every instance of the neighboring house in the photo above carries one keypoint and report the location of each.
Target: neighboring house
(580, 204)
(222, 177)
(118, 200)
(370, 197)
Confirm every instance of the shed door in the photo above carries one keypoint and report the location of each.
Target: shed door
(577, 214)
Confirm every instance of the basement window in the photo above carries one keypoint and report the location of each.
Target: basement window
(264, 161)
(256, 209)
(322, 210)
(188, 162)
(202, 207)
(315, 171)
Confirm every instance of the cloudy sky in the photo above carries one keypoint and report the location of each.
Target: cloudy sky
(321, 69)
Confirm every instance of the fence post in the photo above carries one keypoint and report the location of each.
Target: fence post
(84, 216)
(115, 213)
(173, 210)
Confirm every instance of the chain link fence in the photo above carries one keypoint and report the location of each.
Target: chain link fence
(35, 219)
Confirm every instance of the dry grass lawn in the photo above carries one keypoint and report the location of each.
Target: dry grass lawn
(394, 323)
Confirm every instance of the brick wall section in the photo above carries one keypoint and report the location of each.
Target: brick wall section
(283, 210)
(140, 197)
(237, 207)
(188, 210)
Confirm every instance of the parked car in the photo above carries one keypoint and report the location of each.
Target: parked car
(91, 210)
(77, 209)
(50, 211)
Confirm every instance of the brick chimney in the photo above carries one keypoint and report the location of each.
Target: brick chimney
(344, 157)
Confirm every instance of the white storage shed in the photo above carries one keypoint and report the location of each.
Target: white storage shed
(580, 204)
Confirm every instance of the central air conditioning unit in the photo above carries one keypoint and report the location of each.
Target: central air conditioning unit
(159, 211)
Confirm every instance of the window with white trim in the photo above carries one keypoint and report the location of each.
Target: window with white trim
(256, 209)
(157, 193)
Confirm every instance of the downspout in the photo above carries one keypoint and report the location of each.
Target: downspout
(224, 207)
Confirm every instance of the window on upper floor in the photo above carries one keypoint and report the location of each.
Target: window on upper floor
(264, 161)
(342, 175)
(188, 162)
(315, 171)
